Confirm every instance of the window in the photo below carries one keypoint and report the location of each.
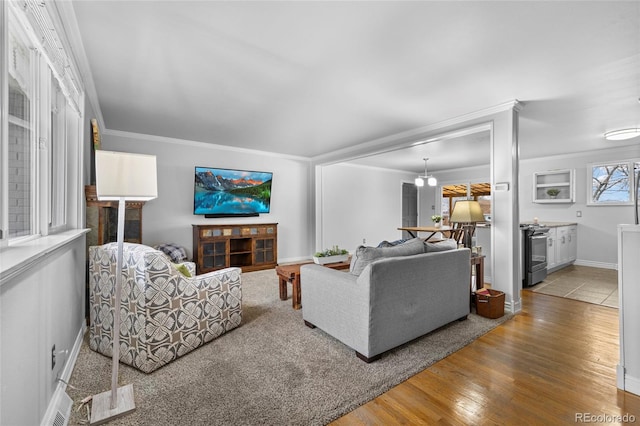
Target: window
(39, 161)
(480, 191)
(57, 158)
(20, 161)
(612, 183)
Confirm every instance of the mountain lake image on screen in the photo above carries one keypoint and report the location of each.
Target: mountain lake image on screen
(227, 192)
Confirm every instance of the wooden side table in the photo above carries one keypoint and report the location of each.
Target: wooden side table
(291, 273)
(477, 262)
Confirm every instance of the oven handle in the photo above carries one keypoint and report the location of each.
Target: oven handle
(539, 237)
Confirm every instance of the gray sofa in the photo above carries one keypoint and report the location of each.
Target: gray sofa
(396, 297)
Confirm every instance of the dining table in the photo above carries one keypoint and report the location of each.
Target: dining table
(432, 230)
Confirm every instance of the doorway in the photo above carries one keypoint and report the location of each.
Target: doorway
(409, 207)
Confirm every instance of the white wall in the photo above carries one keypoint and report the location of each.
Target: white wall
(360, 203)
(168, 218)
(597, 228)
(42, 307)
(597, 238)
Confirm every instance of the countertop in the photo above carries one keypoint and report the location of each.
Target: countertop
(550, 224)
(540, 222)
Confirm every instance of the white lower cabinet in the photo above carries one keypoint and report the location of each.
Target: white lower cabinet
(552, 260)
(573, 243)
(562, 246)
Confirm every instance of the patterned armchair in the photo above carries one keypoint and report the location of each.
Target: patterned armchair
(164, 314)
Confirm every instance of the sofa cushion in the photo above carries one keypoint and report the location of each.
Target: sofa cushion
(443, 245)
(363, 256)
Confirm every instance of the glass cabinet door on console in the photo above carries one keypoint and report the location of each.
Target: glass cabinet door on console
(264, 250)
(214, 255)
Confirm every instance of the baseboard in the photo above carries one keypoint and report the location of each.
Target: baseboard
(65, 375)
(593, 264)
(632, 384)
(514, 307)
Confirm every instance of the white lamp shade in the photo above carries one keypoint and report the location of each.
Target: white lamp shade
(431, 181)
(467, 211)
(419, 181)
(125, 175)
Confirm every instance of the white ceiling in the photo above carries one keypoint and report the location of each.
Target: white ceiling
(311, 77)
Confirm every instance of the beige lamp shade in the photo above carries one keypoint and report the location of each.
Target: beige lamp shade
(467, 211)
(125, 175)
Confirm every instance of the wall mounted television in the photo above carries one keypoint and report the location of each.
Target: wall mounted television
(231, 193)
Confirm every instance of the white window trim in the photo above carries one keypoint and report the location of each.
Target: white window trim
(44, 68)
(629, 163)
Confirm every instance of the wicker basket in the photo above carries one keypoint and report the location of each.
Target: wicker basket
(490, 305)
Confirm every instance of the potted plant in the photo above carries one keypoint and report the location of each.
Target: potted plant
(553, 192)
(436, 218)
(332, 255)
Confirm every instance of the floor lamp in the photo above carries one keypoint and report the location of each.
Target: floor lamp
(467, 212)
(120, 176)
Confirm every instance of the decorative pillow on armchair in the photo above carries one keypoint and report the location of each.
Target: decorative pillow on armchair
(366, 255)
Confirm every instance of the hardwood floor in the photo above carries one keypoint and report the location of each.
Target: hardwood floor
(551, 363)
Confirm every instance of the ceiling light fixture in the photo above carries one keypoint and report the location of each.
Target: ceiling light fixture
(623, 134)
(431, 181)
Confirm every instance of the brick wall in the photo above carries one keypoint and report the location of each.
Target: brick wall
(19, 163)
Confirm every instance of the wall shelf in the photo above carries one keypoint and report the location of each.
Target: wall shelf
(563, 180)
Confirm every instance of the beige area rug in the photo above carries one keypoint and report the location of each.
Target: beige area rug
(272, 370)
(593, 285)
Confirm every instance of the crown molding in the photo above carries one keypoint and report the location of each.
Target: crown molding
(375, 168)
(207, 145)
(622, 150)
(412, 137)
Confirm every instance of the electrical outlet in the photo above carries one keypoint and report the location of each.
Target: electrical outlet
(364, 241)
(579, 213)
(53, 356)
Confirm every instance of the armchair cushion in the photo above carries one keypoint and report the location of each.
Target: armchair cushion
(164, 314)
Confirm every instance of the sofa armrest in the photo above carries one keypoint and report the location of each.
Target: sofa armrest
(226, 285)
(336, 302)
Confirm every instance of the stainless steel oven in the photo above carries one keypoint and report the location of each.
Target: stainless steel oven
(534, 240)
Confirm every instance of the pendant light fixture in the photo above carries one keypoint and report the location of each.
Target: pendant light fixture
(431, 181)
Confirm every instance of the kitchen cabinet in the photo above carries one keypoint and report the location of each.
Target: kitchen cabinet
(560, 180)
(552, 260)
(562, 246)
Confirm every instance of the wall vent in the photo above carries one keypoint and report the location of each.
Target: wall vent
(61, 411)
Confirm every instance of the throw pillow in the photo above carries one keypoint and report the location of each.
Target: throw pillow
(182, 268)
(363, 256)
(443, 245)
(386, 243)
(174, 251)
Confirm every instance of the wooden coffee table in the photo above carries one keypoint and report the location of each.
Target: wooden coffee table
(291, 273)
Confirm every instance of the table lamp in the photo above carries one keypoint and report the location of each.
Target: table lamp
(468, 213)
(120, 176)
